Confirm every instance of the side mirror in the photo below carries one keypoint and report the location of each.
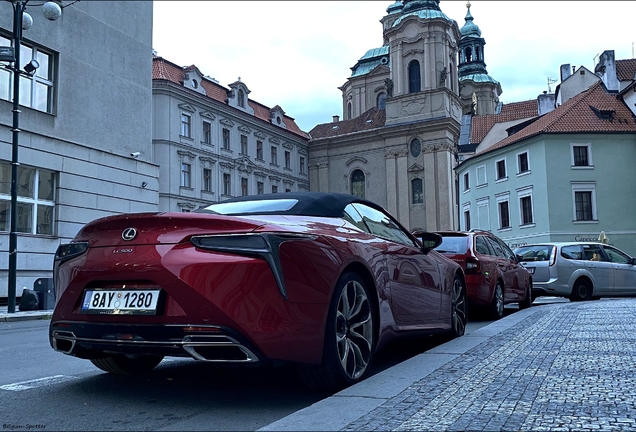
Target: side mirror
(429, 240)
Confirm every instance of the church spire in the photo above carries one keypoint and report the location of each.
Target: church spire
(471, 47)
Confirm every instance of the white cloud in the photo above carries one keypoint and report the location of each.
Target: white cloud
(297, 54)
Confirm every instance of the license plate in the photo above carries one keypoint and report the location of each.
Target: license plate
(131, 302)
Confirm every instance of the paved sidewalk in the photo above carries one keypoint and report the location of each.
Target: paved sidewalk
(23, 316)
(558, 367)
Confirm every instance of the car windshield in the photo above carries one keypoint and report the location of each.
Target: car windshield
(250, 207)
(453, 244)
(534, 253)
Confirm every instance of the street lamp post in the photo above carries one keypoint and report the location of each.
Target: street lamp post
(21, 20)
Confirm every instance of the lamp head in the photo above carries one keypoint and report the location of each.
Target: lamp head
(51, 11)
(31, 67)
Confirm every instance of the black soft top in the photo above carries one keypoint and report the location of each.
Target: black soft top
(321, 204)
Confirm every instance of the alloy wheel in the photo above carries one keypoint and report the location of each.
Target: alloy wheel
(458, 298)
(354, 329)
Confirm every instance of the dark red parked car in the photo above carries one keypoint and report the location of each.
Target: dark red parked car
(494, 276)
(315, 279)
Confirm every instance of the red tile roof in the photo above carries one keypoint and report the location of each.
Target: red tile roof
(371, 119)
(481, 125)
(163, 69)
(626, 69)
(578, 115)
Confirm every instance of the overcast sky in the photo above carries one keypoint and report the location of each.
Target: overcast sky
(297, 53)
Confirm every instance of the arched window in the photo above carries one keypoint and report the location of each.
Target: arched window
(349, 111)
(478, 54)
(468, 54)
(241, 98)
(417, 192)
(357, 183)
(382, 101)
(415, 84)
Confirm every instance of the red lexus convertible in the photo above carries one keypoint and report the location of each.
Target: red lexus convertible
(320, 280)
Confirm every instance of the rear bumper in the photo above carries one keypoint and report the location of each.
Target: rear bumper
(550, 288)
(207, 343)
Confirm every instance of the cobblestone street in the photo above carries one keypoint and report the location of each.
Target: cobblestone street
(567, 367)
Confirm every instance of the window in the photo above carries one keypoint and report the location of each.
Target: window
(417, 191)
(227, 184)
(207, 133)
(583, 203)
(481, 175)
(526, 210)
(381, 102)
(414, 77)
(259, 150)
(382, 225)
(357, 183)
(35, 91)
(260, 188)
(482, 246)
(466, 182)
(241, 98)
(274, 189)
(581, 155)
(501, 169)
(36, 199)
(207, 179)
(416, 147)
(349, 111)
(504, 215)
(274, 155)
(185, 175)
(186, 123)
(584, 196)
(616, 256)
(244, 144)
(302, 165)
(287, 159)
(226, 139)
(466, 210)
(243, 186)
(522, 163)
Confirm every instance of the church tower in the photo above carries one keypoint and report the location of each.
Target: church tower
(397, 142)
(479, 92)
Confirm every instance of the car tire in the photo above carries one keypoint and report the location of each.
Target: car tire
(349, 338)
(124, 365)
(458, 308)
(496, 309)
(527, 302)
(581, 291)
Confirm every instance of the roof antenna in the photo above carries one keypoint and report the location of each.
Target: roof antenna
(550, 82)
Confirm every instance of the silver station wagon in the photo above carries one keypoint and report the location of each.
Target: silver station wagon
(579, 270)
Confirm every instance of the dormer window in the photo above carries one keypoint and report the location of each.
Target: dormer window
(195, 83)
(241, 98)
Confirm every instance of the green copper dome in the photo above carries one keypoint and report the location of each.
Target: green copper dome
(395, 7)
(470, 28)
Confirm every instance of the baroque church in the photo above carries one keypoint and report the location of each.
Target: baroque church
(403, 110)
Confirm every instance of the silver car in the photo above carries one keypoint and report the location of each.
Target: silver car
(579, 270)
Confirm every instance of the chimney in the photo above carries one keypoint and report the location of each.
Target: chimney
(565, 71)
(336, 119)
(606, 69)
(546, 101)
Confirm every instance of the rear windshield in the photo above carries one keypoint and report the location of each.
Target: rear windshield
(453, 244)
(250, 207)
(534, 253)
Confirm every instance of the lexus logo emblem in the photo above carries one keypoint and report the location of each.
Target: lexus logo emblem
(129, 234)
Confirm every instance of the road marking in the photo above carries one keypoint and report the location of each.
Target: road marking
(40, 382)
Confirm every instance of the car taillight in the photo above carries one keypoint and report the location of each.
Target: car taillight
(70, 250)
(553, 256)
(472, 265)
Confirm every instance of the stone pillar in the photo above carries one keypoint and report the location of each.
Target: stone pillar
(323, 174)
(313, 178)
(391, 184)
(403, 188)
